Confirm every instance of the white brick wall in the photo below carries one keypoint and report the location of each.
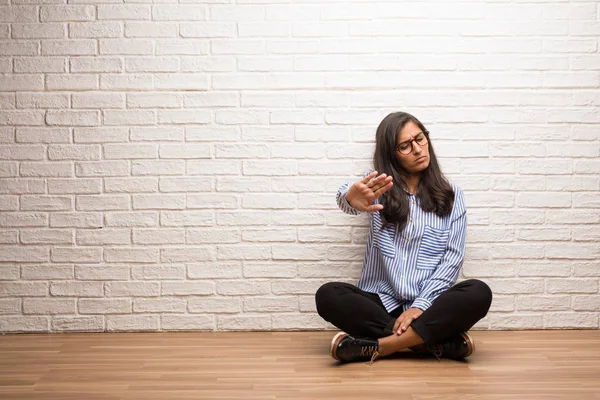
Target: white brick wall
(174, 166)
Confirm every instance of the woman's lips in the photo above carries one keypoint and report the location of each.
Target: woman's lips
(421, 159)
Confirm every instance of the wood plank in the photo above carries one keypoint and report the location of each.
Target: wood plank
(291, 365)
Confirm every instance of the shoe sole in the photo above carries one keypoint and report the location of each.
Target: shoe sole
(470, 343)
(334, 343)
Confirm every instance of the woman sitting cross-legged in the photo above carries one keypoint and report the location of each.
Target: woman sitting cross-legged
(405, 297)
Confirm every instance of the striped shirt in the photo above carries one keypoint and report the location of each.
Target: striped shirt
(413, 267)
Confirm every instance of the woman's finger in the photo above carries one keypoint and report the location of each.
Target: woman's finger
(383, 189)
(397, 324)
(367, 178)
(381, 184)
(374, 207)
(376, 181)
(406, 323)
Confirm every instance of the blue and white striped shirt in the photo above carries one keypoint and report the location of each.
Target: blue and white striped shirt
(412, 268)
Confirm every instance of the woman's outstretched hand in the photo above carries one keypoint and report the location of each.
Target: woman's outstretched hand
(362, 193)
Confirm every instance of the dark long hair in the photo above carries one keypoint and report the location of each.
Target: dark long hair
(434, 191)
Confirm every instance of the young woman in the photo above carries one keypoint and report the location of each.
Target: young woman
(405, 296)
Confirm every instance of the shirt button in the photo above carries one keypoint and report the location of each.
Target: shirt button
(411, 220)
(404, 259)
(407, 239)
(402, 277)
(400, 297)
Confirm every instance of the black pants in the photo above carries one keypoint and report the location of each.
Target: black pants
(361, 313)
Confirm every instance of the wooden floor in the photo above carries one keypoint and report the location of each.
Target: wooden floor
(291, 365)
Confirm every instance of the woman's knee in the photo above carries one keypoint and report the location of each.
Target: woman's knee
(482, 293)
(325, 298)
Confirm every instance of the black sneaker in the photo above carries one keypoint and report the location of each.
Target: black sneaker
(458, 347)
(347, 348)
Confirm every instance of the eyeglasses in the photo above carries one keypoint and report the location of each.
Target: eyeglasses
(407, 147)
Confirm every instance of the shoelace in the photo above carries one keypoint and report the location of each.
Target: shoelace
(372, 350)
(436, 350)
(374, 357)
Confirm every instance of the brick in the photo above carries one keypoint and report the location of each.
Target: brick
(130, 185)
(76, 220)
(103, 236)
(586, 303)
(158, 272)
(189, 47)
(32, 117)
(24, 324)
(207, 29)
(170, 133)
(98, 100)
(40, 65)
(100, 135)
(214, 270)
(185, 322)
(187, 254)
(269, 235)
(104, 306)
(572, 285)
(200, 236)
(298, 322)
(570, 320)
(19, 48)
(186, 218)
(131, 219)
(46, 236)
(71, 47)
(91, 30)
(134, 323)
(158, 167)
(150, 29)
(131, 255)
(269, 270)
(543, 303)
(81, 152)
(10, 306)
(124, 12)
(133, 289)
(186, 288)
(220, 305)
(243, 252)
(162, 305)
(102, 202)
(185, 151)
(158, 236)
(75, 186)
(22, 186)
(75, 289)
(158, 201)
(76, 255)
(130, 151)
(244, 322)
(151, 100)
(47, 272)
(49, 306)
(78, 324)
(9, 272)
(185, 184)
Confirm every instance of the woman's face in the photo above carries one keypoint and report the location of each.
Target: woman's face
(418, 158)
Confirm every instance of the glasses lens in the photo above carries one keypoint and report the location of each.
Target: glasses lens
(405, 148)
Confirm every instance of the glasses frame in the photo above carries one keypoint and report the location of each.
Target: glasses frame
(425, 134)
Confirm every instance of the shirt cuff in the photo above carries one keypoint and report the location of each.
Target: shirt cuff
(346, 207)
(421, 303)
